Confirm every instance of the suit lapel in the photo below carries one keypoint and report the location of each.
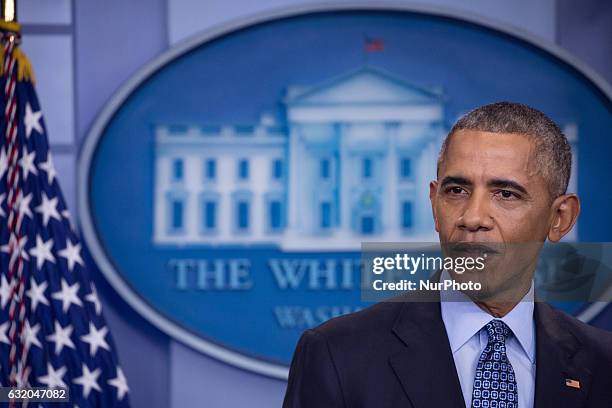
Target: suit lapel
(427, 359)
(558, 358)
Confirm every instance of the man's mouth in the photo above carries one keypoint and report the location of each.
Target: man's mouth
(473, 249)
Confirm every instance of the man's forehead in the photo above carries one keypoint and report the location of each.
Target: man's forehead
(491, 154)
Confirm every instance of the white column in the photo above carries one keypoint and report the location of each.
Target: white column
(294, 200)
(345, 203)
(390, 204)
(162, 173)
(258, 182)
(225, 186)
(191, 181)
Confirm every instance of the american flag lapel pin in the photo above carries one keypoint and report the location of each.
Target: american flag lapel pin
(572, 383)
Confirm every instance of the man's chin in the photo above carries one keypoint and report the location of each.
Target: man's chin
(482, 288)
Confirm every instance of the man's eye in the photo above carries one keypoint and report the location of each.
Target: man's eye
(456, 190)
(507, 194)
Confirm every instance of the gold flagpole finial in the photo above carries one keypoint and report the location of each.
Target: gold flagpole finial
(9, 11)
(8, 17)
(10, 32)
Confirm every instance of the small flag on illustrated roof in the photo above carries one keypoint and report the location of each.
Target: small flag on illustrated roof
(374, 44)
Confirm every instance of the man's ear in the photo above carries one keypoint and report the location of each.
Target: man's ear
(433, 196)
(565, 212)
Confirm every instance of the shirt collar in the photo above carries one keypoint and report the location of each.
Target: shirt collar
(463, 319)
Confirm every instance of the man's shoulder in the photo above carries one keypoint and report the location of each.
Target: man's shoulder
(596, 340)
(358, 326)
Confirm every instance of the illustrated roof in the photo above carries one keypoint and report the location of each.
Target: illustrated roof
(365, 85)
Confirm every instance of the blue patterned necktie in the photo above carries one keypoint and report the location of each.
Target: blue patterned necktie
(494, 383)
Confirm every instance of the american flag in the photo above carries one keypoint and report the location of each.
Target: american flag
(374, 44)
(52, 331)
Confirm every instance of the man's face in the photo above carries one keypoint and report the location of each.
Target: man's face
(488, 192)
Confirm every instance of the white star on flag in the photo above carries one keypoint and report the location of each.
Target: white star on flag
(54, 378)
(32, 121)
(24, 204)
(31, 335)
(36, 293)
(42, 252)
(3, 337)
(72, 253)
(20, 251)
(48, 209)
(93, 298)
(120, 383)
(49, 168)
(2, 213)
(89, 380)
(3, 162)
(68, 295)
(95, 339)
(5, 291)
(27, 163)
(61, 337)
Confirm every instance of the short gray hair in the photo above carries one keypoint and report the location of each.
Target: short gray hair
(552, 149)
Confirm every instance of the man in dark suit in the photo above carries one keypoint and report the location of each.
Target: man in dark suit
(502, 177)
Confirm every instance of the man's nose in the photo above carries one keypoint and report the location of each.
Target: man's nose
(476, 215)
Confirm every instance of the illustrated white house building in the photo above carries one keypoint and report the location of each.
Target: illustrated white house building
(351, 163)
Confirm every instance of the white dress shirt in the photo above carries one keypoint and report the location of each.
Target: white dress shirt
(465, 321)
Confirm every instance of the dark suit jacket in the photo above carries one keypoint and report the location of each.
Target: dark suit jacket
(398, 355)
